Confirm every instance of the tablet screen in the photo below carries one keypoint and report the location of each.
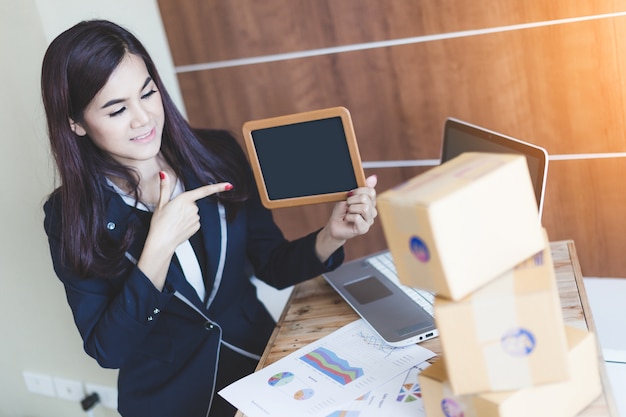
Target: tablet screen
(304, 158)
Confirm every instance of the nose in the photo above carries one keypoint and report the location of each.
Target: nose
(140, 117)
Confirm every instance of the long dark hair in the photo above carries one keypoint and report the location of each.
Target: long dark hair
(76, 66)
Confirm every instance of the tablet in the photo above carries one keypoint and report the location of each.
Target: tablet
(304, 158)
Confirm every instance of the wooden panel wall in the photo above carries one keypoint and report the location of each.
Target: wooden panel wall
(550, 81)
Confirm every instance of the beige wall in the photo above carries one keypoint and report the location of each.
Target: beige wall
(36, 326)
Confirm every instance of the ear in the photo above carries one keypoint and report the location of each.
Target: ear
(77, 128)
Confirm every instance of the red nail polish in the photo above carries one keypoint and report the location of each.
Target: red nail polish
(162, 175)
(350, 193)
(228, 187)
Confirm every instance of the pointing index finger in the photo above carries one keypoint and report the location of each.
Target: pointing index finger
(208, 190)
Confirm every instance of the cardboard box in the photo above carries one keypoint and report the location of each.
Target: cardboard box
(457, 226)
(508, 334)
(563, 399)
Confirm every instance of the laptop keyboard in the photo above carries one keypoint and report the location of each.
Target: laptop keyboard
(383, 262)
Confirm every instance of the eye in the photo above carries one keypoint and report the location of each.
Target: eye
(149, 93)
(117, 112)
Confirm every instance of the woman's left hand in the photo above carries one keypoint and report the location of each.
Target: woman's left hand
(349, 219)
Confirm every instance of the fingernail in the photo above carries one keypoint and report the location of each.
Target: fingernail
(162, 175)
(228, 187)
(350, 193)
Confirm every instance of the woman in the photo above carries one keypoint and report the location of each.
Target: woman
(156, 226)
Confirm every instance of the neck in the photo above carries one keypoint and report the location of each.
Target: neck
(149, 179)
(150, 168)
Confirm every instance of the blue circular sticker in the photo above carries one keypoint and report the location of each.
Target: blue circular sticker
(419, 249)
(518, 342)
(451, 408)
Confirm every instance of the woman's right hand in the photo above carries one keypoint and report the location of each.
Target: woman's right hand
(173, 222)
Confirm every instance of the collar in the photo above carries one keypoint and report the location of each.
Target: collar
(130, 200)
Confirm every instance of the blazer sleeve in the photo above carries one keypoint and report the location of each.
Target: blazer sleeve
(113, 315)
(277, 261)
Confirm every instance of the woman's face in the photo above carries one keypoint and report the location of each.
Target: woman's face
(125, 119)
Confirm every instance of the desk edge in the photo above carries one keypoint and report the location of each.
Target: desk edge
(591, 326)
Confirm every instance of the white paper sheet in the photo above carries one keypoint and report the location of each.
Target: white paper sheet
(617, 378)
(316, 379)
(400, 397)
(607, 298)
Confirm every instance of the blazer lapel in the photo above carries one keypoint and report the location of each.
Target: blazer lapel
(119, 218)
(210, 228)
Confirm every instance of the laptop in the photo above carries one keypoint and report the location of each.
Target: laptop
(399, 314)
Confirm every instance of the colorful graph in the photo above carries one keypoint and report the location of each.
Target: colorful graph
(303, 394)
(409, 392)
(331, 365)
(280, 379)
(344, 414)
(375, 341)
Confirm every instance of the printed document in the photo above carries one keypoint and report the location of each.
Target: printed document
(317, 379)
(400, 397)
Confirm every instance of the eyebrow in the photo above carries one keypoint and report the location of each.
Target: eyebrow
(120, 100)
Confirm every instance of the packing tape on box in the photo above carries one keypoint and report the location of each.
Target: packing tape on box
(506, 345)
(456, 405)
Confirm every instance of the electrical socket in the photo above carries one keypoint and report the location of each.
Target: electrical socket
(39, 384)
(108, 395)
(69, 389)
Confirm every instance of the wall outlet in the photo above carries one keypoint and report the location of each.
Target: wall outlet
(108, 395)
(69, 389)
(39, 384)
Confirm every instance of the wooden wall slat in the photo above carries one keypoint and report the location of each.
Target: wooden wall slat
(524, 83)
(203, 31)
(586, 201)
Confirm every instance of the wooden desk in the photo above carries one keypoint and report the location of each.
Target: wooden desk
(315, 310)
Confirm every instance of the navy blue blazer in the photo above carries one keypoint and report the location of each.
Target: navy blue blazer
(166, 343)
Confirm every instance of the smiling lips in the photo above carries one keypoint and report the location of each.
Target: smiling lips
(142, 137)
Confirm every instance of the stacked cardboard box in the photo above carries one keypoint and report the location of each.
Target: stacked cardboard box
(463, 223)
(560, 399)
(468, 230)
(507, 334)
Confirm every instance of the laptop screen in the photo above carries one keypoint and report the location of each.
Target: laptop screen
(460, 137)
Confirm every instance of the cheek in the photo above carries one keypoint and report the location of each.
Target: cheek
(159, 115)
(105, 135)
(159, 110)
